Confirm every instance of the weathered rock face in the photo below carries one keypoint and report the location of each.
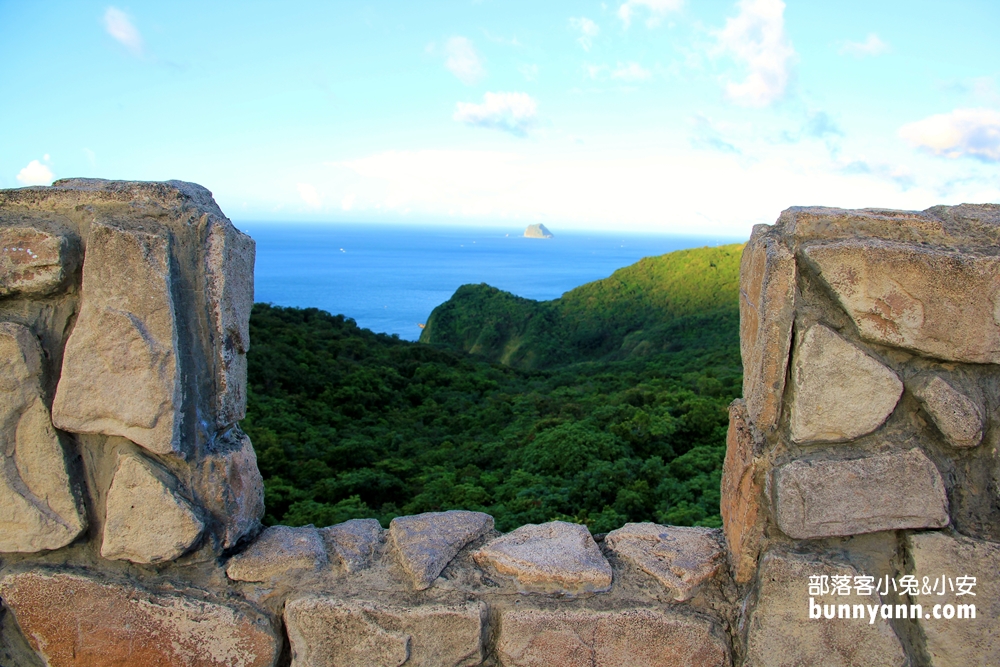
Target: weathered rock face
(942, 560)
(883, 492)
(782, 634)
(325, 631)
(230, 487)
(426, 543)
(742, 495)
(40, 509)
(957, 416)
(838, 392)
(633, 638)
(354, 542)
(554, 557)
(34, 262)
(147, 520)
(681, 559)
(279, 549)
(74, 620)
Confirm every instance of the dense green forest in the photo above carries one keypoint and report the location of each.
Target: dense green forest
(609, 406)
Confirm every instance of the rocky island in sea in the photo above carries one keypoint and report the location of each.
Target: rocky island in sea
(538, 231)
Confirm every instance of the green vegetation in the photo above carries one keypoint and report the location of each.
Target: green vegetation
(615, 411)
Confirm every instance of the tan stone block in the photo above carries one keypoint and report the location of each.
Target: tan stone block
(680, 558)
(147, 520)
(629, 638)
(277, 550)
(767, 310)
(972, 642)
(231, 488)
(38, 507)
(354, 542)
(120, 371)
(935, 302)
(742, 495)
(781, 633)
(426, 543)
(33, 262)
(73, 620)
(881, 492)
(352, 633)
(959, 418)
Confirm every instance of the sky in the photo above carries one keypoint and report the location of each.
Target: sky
(676, 116)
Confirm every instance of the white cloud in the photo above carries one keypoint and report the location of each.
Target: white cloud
(35, 173)
(756, 38)
(120, 26)
(309, 195)
(463, 61)
(872, 46)
(588, 31)
(516, 113)
(630, 72)
(657, 10)
(347, 203)
(962, 133)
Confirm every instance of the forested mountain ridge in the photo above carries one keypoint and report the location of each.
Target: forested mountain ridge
(656, 305)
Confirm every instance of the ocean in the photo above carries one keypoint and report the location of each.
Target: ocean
(389, 278)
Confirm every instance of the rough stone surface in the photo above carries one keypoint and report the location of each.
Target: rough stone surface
(681, 559)
(231, 488)
(279, 549)
(972, 642)
(957, 416)
(767, 307)
(79, 621)
(326, 631)
(781, 634)
(426, 543)
(838, 391)
(229, 261)
(126, 336)
(882, 492)
(38, 508)
(742, 495)
(147, 520)
(354, 542)
(553, 557)
(935, 302)
(33, 262)
(632, 638)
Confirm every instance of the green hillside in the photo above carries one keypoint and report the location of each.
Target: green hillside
(682, 300)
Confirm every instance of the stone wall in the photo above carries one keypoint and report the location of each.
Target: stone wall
(130, 500)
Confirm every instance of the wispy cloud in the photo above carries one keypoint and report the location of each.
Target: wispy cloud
(872, 46)
(630, 72)
(309, 195)
(529, 72)
(971, 133)
(706, 136)
(35, 173)
(756, 38)
(120, 27)
(588, 31)
(463, 61)
(516, 113)
(656, 10)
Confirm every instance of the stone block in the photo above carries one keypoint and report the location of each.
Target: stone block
(147, 520)
(73, 620)
(555, 557)
(742, 495)
(681, 559)
(354, 542)
(782, 634)
(40, 509)
(34, 262)
(767, 309)
(935, 302)
(838, 391)
(231, 488)
(959, 417)
(277, 550)
(881, 492)
(352, 633)
(229, 261)
(120, 373)
(972, 642)
(629, 638)
(426, 543)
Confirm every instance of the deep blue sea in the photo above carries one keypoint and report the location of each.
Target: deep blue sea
(390, 278)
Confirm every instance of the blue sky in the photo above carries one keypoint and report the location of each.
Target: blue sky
(679, 116)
